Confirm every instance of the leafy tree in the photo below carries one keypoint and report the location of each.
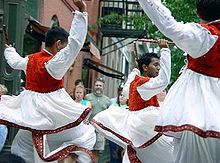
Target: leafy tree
(182, 10)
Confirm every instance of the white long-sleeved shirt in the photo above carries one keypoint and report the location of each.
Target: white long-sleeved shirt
(190, 37)
(59, 64)
(154, 85)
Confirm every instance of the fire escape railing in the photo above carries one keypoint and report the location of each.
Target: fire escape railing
(116, 18)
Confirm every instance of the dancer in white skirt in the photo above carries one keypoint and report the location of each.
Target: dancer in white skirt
(133, 128)
(191, 109)
(45, 109)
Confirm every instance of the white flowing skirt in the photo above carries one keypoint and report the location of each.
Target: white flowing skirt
(48, 113)
(190, 113)
(191, 104)
(191, 148)
(40, 111)
(136, 130)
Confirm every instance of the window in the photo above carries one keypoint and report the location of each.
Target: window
(54, 22)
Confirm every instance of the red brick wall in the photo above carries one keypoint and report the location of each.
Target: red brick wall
(63, 10)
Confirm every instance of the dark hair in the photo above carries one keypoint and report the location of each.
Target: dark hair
(146, 59)
(78, 81)
(9, 158)
(119, 93)
(54, 34)
(208, 9)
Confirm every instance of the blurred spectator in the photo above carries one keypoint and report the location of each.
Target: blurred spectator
(3, 128)
(99, 102)
(114, 100)
(79, 94)
(78, 82)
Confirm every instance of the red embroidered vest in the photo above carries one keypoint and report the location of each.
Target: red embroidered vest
(37, 77)
(135, 101)
(208, 64)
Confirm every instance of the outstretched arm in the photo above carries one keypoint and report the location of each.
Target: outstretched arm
(14, 60)
(184, 35)
(60, 63)
(159, 83)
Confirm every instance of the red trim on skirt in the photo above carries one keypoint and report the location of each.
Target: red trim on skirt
(131, 152)
(37, 136)
(187, 127)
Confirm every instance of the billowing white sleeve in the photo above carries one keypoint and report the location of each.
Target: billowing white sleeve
(14, 60)
(190, 37)
(131, 77)
(60, 63)
(159, 83)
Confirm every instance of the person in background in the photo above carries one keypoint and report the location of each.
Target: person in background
(78, 82)
(114, 99)
(133, 128)
(3, 128)
(99, 103)
(190, 112)
(79, 93)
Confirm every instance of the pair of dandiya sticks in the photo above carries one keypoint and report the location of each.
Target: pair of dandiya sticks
(135, 48)
(146, 40)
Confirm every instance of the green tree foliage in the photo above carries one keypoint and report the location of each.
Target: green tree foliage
(182, 10)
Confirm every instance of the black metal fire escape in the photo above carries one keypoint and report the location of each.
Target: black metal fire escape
(121, 28)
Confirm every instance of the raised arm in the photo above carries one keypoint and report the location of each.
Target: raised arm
(184, 35)
(14, 60)
(60, 63)
(159, 83)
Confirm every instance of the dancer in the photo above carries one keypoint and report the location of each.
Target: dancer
(45, 110)
(191, 108)
(133, 128)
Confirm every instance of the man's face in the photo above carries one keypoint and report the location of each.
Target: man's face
(152, 70)
(98, 88)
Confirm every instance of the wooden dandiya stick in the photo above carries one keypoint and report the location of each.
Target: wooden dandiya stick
(153, 41)
(146, 40)
(135, 51)
(5, 34)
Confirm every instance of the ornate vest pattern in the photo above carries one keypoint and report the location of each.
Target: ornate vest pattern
(135, 101)
(208, 64)
(37, 77)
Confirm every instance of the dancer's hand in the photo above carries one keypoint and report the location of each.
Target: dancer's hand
(7, 46)
(163, 43)
(81, 5)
